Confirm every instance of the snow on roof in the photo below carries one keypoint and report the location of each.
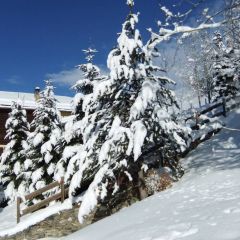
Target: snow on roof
(6, 98)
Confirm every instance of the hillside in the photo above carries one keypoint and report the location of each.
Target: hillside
(205, 203)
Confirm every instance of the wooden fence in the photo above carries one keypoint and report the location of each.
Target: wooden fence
(42, 203)
(222, 112)
(226, 107)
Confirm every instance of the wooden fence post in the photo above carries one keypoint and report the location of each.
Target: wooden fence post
(62, 190)
(197, 116)
(224, 107)
(18, 209)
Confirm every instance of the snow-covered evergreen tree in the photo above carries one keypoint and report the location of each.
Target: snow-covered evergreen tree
(84, 86)
(42, 157)
(131, 121)
(13, 156)
(83, 103)
(225, 69)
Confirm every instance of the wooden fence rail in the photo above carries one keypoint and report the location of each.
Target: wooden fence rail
(223, 112)
(44, 202)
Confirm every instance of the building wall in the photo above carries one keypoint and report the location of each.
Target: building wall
(65, 113)
(3, 118)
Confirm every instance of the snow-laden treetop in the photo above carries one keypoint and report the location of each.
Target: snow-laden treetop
(49, 83)
(122, 61)
(130, 3)
(89, 54)
(48, 91)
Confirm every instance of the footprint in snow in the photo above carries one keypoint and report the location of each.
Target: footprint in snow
(177, 234)
(231, 210)
(212, 224)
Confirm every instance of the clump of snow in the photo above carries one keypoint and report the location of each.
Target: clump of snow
(130, 3)
(91, 195)
(167, 12)
(38, 139)
(139, 134)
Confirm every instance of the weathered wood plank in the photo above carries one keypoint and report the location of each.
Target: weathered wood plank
(18, 209)
(66, 191)
(30, 196)
(211, 108)
(41, 204)
(224, 107)
(62, 190)
(218, 114)
(204, 111)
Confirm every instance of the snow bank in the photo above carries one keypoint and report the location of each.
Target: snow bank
(8, 225)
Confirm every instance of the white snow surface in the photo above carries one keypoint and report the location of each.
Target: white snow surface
(8, 221)
(204, 204)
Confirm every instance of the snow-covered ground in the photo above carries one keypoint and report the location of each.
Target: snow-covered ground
(205, 204)
(8, 225)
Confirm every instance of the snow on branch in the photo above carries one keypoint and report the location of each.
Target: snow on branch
(165, 34)
(171, 17)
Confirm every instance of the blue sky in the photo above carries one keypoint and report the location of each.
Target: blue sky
(41, 38)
